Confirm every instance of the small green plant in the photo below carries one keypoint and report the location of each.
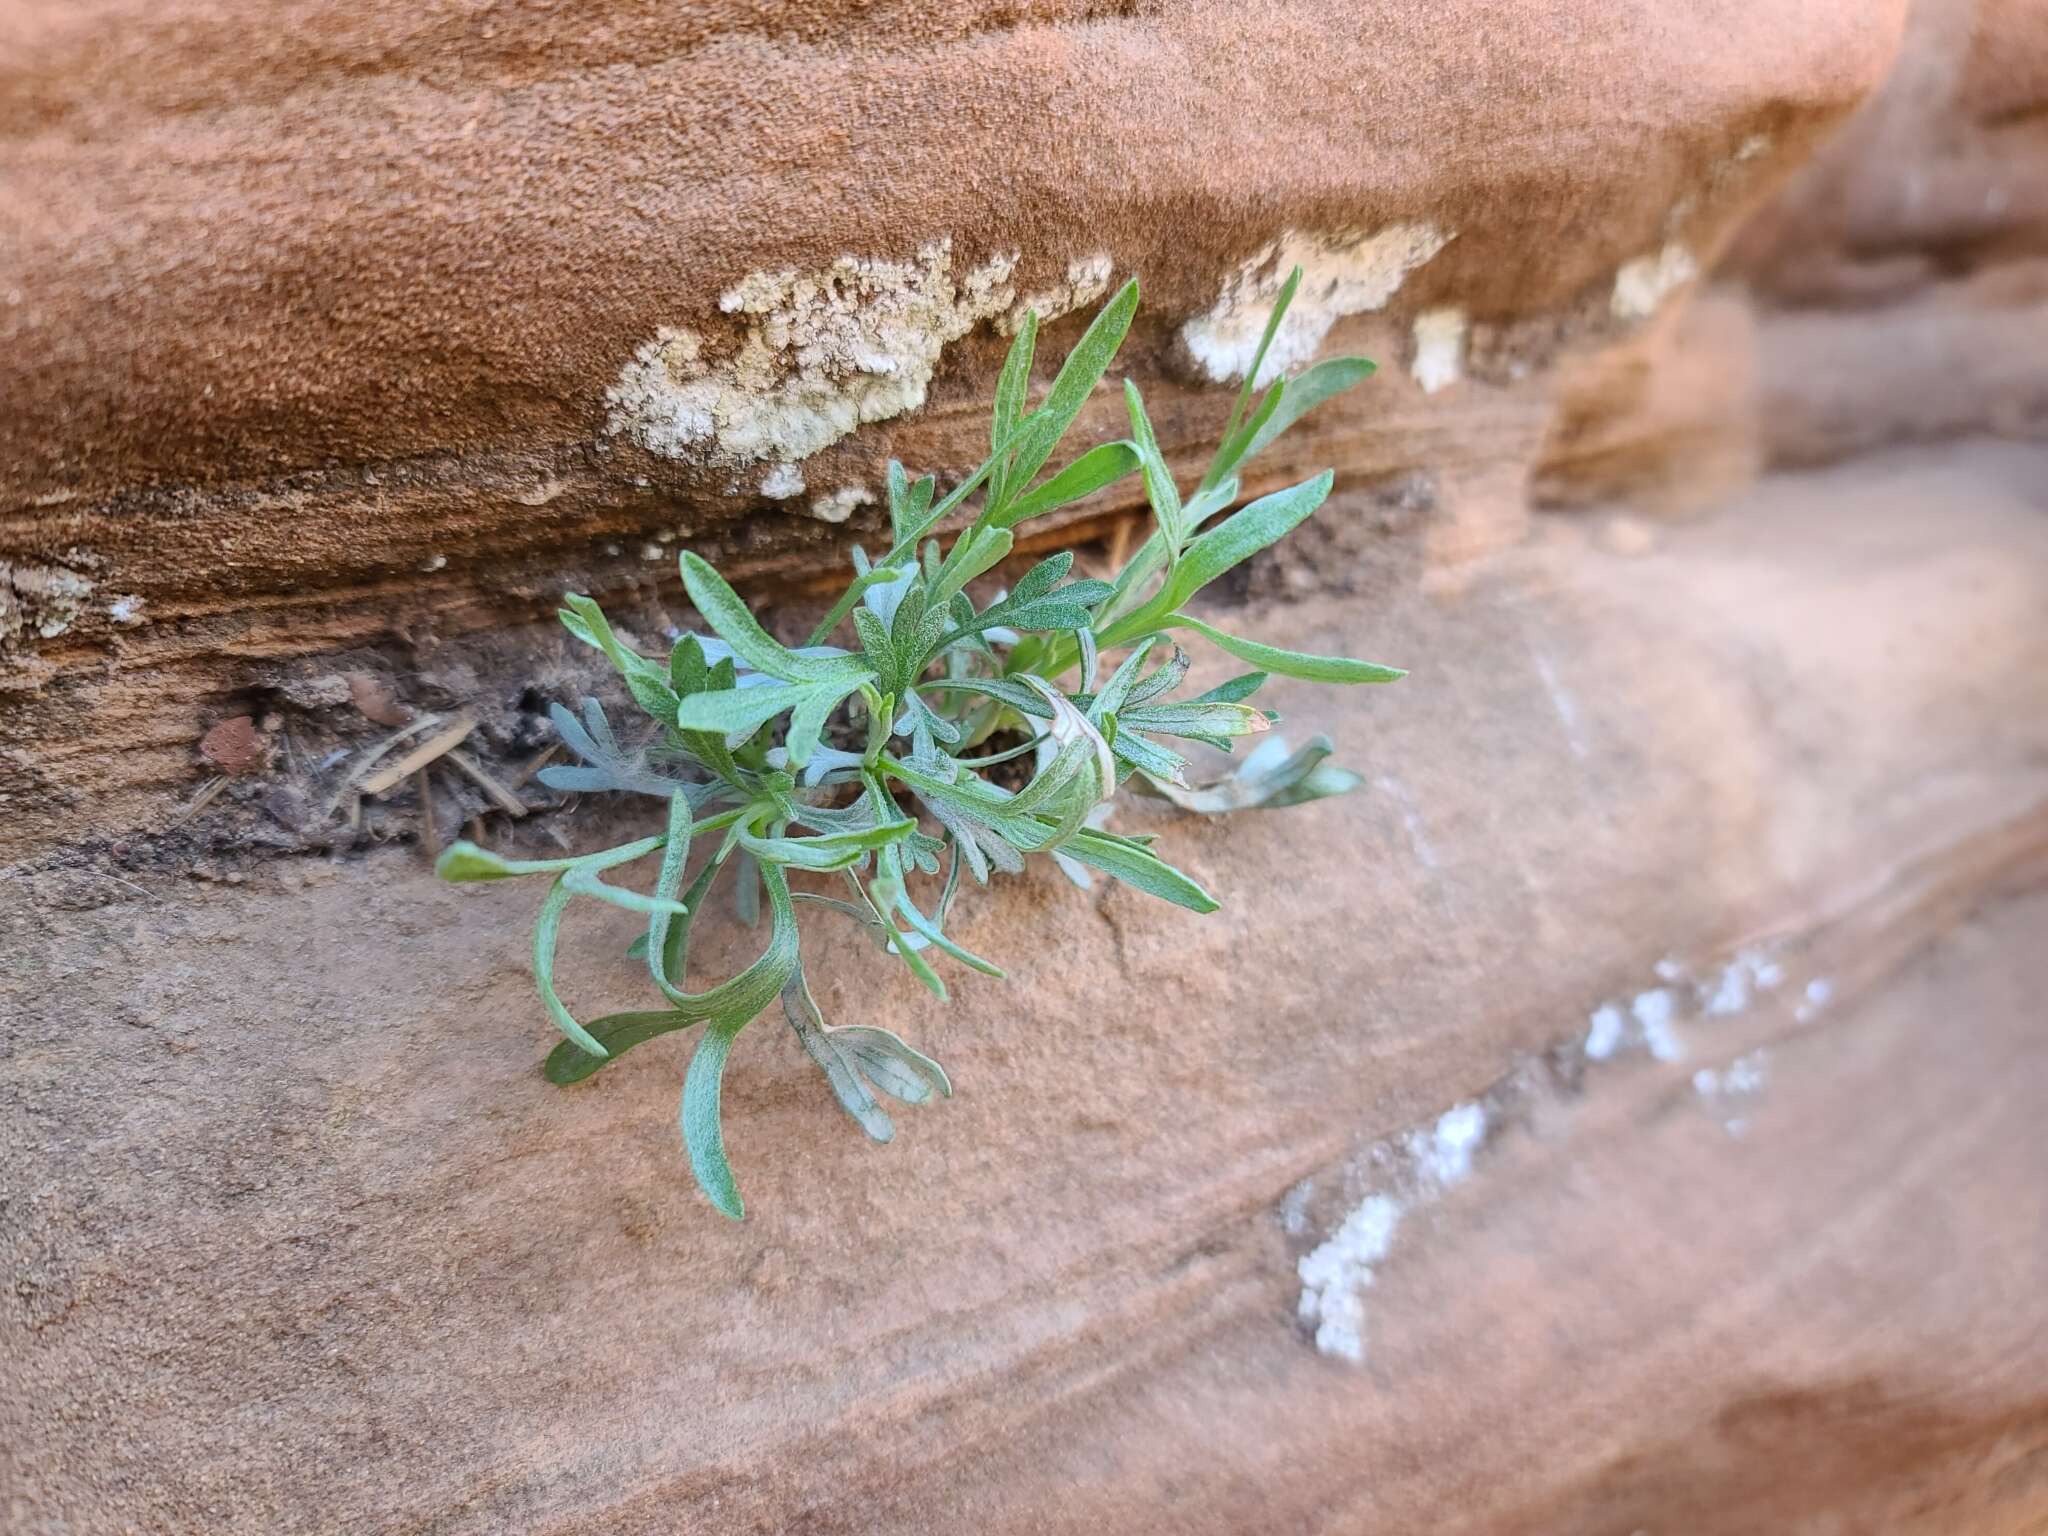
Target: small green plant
(934, 684)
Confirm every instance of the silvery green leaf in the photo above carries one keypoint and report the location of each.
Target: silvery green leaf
(1072, 728)
(918, 713)
(1076, 380)
(876, 645)
(746, 889)
(617, 1033)
(547, 929)
(584, 883)
(1165, 678)
(1316, 669)
(738, 711)
(923, 852)
(1040, 579)
(1196, 720)
(1160, 490)
(1136, 867)
(833, 850)
(979, 550)
(604, 766)
(801, 1009)
(645, 680)
(1304, 393)
(807, 719)
(464, 861)
(1269, 776)
(1023, 699)
(737, 626)
(1100, 466)
(1235, 447)
(891, 888)
(1013, 385)
(1218, 467)
(892, 1066)
(1253, 527)
(1121, 682)
(703, 1136)
(1235, 691)
(1149, 757)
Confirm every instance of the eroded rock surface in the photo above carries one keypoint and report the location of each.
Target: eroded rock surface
(314, 324)
(1699, 1209)
(1622, 1115)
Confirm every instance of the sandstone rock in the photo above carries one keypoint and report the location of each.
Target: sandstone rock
(313, 1246)
(235, 746)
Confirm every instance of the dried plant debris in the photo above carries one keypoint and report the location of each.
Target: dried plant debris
(877, 754)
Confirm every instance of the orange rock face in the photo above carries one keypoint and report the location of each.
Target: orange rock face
(1622, 1115)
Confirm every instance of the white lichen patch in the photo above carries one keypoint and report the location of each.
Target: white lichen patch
(1605, 1029)
(819, 355)
(783, 482)
(1819, 993)
(1341, 275)
(1388, 1183)
(1727, 1092)
(1641, 286)
(837, 506)
(1750, 972)
(1654, 1011)
(1335, 1273)
(126, 610)
(1086, 282)
(1443, 1153)
(1411, 1171)
(39, 602)
(1439, 360)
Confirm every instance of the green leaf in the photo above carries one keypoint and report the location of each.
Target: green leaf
(1195, 719)
(547, 929)
(1099, 466)
(1025, 700)
(1220, 466)
(1160, 490)
(1271, 658)
(1137, 868)
(892, 889)
(675, 857)
(646, 681)
(908, 503)
(1041, 578)
(583, 883)
(832, 850)
(807, 720)
(892, 1066)
(1121, 683)
(1268, 777)
(1304, 393)
(618, 1033)
(1232, 453)
(1076, 380)
(801, 1009)
(464, 861)
(702, 1134)
(737, 626)
(1013, 384)
(876, 646)
(1251, 528)
(739, 710)
(979, 550)
(1235, 691)
(861, 582)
